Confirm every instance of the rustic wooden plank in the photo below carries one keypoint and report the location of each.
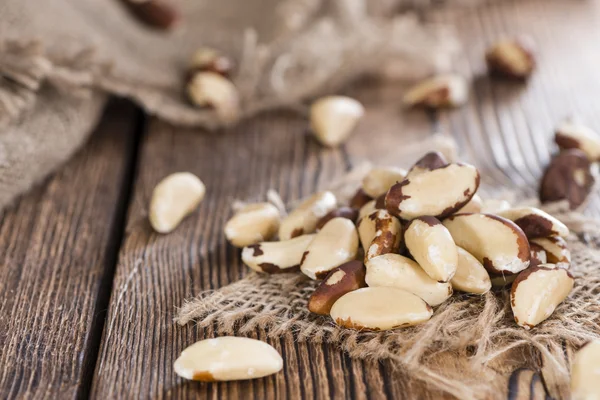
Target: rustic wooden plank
(508, 127)
(155, 273)
(57, 248)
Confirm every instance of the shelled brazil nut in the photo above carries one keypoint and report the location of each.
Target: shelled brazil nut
(419, 245)
(252, 224)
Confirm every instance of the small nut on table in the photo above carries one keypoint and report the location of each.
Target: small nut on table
(332, 246)
(209, 89)
(429, 162)
(305, 217)
(535, 223)
(585, 372)
(511, 58)
(499, 244)
(403, 273)
(275, 257)
(379, 308)
(568, 177)
(437, 92)
(333, 118)
(345, 278)
(537, 292)
(570, 135)
(557, 250)
(206, 59)
(379, 180)
(438, 193)
(432, 246)
(228, 358)
(470, 276)
(173, 199)
(252, 224)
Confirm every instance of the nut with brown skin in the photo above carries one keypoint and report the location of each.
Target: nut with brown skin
(345, 278)
(535, 223)
(252, 224)
(537, 292)
(342, 212)
(275, 257)
(379, 309)
(568, 177)
(429, 162)
(571, 135)
(432, 246)
(154, 13)
(557, 250)
(209, 89)
(538, 255)
(388, 235)
(470, 276)
(228, 358)
(333, 118)
(401, 272)
(206, 59)
(438, 193)
(332, 246)
(359, 199)
(379, 180)
(174, 198)
(511, 58)
(499, 244)
(304, 218)
(438, 92)
(585, 372)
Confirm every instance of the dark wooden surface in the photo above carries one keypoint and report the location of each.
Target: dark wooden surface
(68, 246)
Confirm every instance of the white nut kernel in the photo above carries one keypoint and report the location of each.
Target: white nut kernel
(228, 358)
(209, 89)
(332, 246)
(473, 206)
(253, 224)
(538, 254)
(537, 292)
(512, 58)
(470, 276)
(333, 118)
(585, 372)
(557, 250)
(379, 180)
(432, 246)
(440, 91)
(535, 223)
(570, 135)
(438, 193)
(367, 209)
(494, 206)
(366, 229)
(401, 272)
(379, 308)
(499, 244)
(274, 257)
(305, 217)
(388, 234)
(174, 198)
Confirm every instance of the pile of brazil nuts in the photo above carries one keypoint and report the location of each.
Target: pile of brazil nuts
(405, 242)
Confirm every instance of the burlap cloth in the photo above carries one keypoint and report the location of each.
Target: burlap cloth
(471, 344)
(59, 58)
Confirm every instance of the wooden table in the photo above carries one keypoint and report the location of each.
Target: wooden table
(88, 292)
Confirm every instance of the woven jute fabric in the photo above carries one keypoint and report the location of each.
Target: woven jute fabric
(469, 347)
(58, 58)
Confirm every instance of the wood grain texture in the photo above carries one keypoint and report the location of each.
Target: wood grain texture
(55, 247)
